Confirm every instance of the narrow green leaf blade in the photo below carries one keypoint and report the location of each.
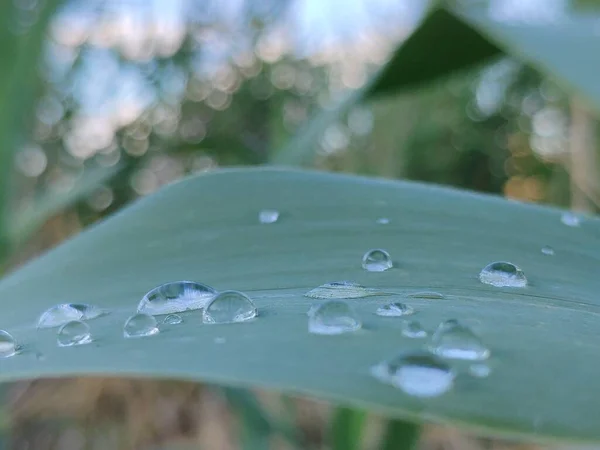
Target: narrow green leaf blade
(347, 428)
(543, 338)
(400, 435)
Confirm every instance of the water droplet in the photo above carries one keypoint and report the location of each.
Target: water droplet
(457, 341)
(570, 219)
(333, 317)
(547, 250)
(418, 374)
(140, 325)
(8, 345)
(426, 294)
(177, 296)
(383, 221)
(312, 309)
(62, 313)
(395, 309)
(173, 319)
(73, 333)
(413, 329)
(342, 289)
(268, 216)
(377, 260)
(503, 274)
(229, 307)
(480, 370)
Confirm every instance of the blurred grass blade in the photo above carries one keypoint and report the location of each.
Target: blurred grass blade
(347, 427)
(206, 228)
(400, 435)
(441, 45)
(28, 220)
(450, 39)
(19, 72)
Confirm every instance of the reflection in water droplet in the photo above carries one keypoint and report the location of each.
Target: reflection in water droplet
(426, 294)
(62, 313)
(547, 250)
(383, 221)
(395, 309)
(8, 345)
(73, 333)
(413, 329)
(177, 296)
(570, 219)
(418, 374)
(480, 370)
(377, 260)
(342, 289)
(268, 216)
(173, 319)
(229, 307)
(457, 341)
(503, 274)
(333, 317)
(140, 325)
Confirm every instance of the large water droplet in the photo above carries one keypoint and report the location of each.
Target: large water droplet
(73, 333)
(383, 221)
(480, 370)
(413, 329)
(8, 345)
(333, 317)
(140, 325)
(312, 309)
(570, 219)
(377, 260)
(342, 289)
(268, 216)
(426, 294)
(62, 313)
(547, 250)
(173, 319)
(457, 341)
(418, 374)
(503, 274)
(177, 296)
(395, 309)
(229, 307)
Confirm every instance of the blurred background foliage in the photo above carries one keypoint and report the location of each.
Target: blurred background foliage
(108, 100)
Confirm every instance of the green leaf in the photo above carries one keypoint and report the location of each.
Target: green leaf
(400, 435)
(454, 38)
(543, 338)
(347, 428)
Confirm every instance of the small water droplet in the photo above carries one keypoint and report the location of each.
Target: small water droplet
(394, 309)
(220, 340)
(426, 294)
(8, 345)
(418, 374)
(73, 333)
(268, 216)
(173, 319)
(333, 317)
(176, 296)
(229, 307)
(40, 356)
(342, 289)
(377, 260)
(503, 274)
(547, 250)
(383, 221)
(457, 341)
(413, 329)
(140, 325)
(570, 219)
(480, 370)
(62, 313)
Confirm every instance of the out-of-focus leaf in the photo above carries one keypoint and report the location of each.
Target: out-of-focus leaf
(346, 428)
(28, 220)
(400, 435)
